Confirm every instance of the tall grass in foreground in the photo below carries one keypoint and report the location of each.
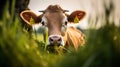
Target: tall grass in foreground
(103, 45)
(17, 49)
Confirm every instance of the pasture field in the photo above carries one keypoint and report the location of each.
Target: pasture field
(20, 49)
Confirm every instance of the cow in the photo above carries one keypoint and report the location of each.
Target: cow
(56, 20)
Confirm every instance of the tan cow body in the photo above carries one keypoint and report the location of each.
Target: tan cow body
(74, 37)
(56, 20)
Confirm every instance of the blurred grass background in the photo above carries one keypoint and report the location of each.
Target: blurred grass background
(18, 49)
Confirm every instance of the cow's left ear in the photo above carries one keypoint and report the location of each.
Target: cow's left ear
(76, 16)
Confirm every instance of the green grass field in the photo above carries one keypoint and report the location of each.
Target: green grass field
(19, 49)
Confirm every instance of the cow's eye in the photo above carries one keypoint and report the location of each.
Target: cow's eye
(44, 21)
(66, 22)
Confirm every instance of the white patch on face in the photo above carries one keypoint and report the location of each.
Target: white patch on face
(63, 29)
(65, 19)
(64, 24)
(44, 21)
(37, 26)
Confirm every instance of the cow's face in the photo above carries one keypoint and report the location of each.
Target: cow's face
(55, 19)
(55, 22)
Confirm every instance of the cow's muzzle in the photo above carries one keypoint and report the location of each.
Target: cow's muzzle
(55, 44)
(55, 40)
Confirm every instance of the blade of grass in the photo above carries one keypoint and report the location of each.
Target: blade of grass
(13, 9)
(46, 37)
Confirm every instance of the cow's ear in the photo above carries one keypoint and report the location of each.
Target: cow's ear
(76, 16)
(29, 17)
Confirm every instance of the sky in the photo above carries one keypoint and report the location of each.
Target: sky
(89, 6)
(70, 5)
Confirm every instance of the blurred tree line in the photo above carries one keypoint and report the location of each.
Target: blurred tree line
(17, 49)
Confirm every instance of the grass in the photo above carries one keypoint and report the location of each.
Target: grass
(18, 49)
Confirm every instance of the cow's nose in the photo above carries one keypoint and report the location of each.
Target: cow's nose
(55, 39)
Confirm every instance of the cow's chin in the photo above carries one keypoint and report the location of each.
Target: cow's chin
(54, 45)
(55, 48)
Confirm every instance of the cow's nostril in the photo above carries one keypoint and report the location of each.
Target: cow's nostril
(51, 39)
(59, 39)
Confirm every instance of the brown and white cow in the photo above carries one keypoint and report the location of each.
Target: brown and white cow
(56, 20)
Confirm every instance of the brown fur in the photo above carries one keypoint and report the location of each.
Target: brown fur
(74, 37)
(54, 8)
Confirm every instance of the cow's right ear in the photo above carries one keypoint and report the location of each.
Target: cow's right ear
(29, 17)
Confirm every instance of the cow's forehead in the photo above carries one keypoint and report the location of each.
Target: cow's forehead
(58, 15)
(54, 12)
(54, 8)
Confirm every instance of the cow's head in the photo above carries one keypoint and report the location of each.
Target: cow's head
(56, 20)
